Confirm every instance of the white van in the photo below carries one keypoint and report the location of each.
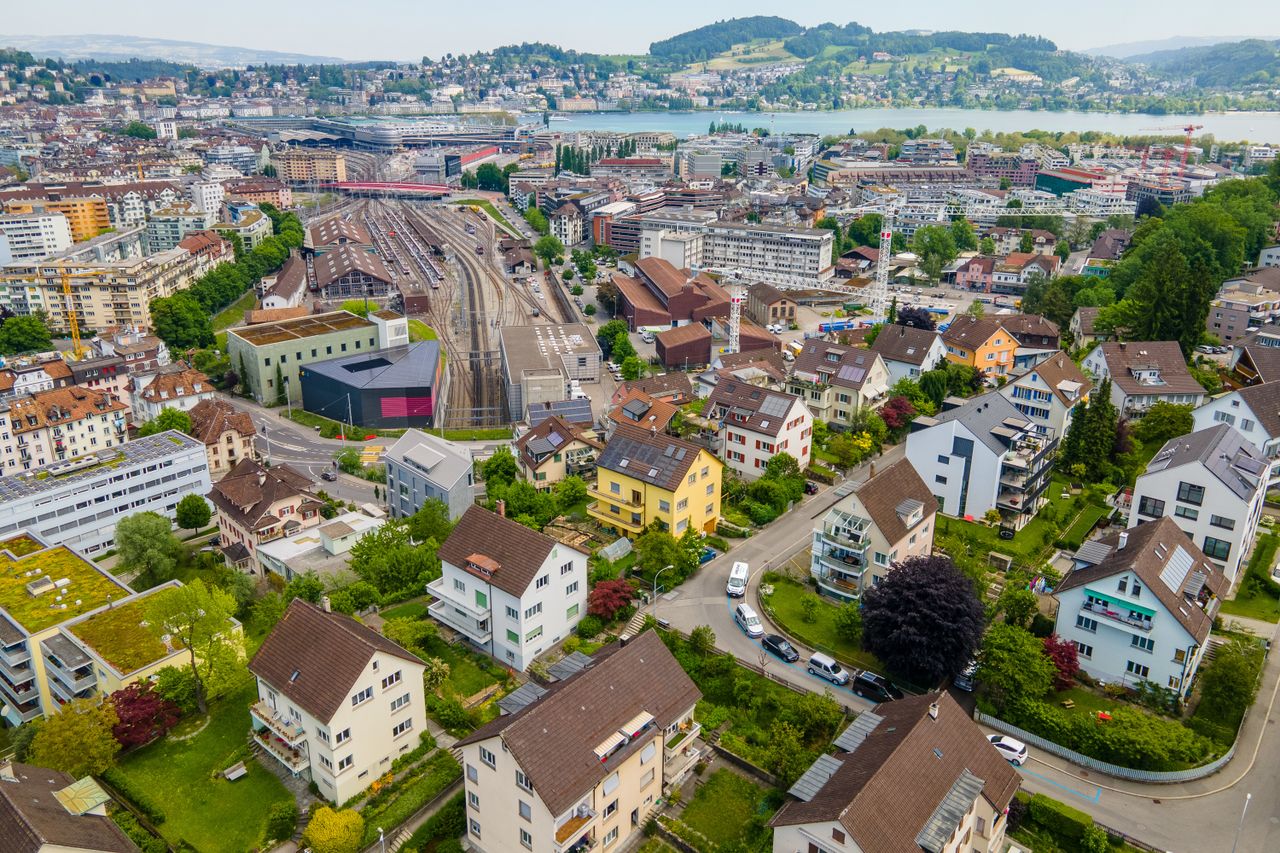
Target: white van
(748, 621)
(737, 585)
(826, 667)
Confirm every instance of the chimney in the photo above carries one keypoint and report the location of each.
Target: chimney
(1124, 540)
(502, 508)
(933, 711)
(325, 605)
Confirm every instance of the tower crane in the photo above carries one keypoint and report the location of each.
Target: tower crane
(66, 276)
(1187, 129)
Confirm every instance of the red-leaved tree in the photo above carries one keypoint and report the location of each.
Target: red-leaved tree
(897, 413)
(1066, 662)
(608, 597)
(144, 715)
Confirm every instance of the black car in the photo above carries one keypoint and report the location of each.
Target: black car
(779, 646)
(328, 476)
(810, 487)
(877, 688)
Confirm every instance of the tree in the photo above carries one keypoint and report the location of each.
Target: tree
(77, 739)
(385, 558)
(786, 756)
(569, 492)
(435, 674)
(266, 612)
(1062, 250)
(607, 598)
(1017, 603)
(1065, 659)
(1229, 682)
(1091, 438)
(331, 831)
(656, 549)
(431, 521)
(1164, 421)
(169, 418)
(306, 586)
(848, 623)
(181, 322)
(916, 318)
(975, 309)
(142, 714)
(1012, 666)
(193, 512)
(145, 545)
(936, 247)
(607, 334)
(632, 368)
(987, 246)
(548, 248)
(1026, 243)
(897, 413)
(491, 178)
(26, 333)
(138, 130)
(537, 221)
(962, 234)
(622, 348)
(199, 619)
(702, 640)
(923, 620)
(500, 469)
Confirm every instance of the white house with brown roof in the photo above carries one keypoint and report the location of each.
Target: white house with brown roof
(227, 433)
(913, 775)
(755, 424)
(179, 389)
(1049, 393)
(255, 504)
(512, 591)
(885, 520)
(1139, 606)
(835, 380)
(337, 702)
(583, 765)
(1144, 373)
(908, 351)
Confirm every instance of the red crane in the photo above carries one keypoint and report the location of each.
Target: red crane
(1188, 129)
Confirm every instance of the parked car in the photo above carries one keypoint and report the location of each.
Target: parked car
(736, 587)
(826, 667)
(877, 688)
(748, 621)
(708, 554)
(810, 487)
(329, 475)
(964, 681)
(777, 645)
(1013, 751)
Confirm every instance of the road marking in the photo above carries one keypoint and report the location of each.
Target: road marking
(1097, 790)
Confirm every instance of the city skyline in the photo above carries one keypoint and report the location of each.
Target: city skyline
(377, 35)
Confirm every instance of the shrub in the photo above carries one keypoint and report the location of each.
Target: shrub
(1095, 840)
(1041, 626)
(140, 800)
(282, 820)
(137, 833)
(1062, 820)
(446, 824)
(589, 627)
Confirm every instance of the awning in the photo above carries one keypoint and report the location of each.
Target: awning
(609, 744)
(633, 726)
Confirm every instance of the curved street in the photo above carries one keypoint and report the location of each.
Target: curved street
(1188, 817)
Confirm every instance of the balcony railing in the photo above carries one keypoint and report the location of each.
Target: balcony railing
(15, 655)
(682, 741)
(852, 564)
(443, 594)
(296, 760)
(854, 538)
(600, 510)
(620, 500)
(74, 680)
(443, 611)
(575, 826)
(287, 730)
(1117, 616)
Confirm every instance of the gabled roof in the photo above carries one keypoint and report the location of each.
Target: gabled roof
(60, 406)
(1062, 376)
(248, 491)
(884, 497)
(33, 818)
(1030, 329)
(750, 407)
(766, 293)
(316, 659)
(1088, 316)
(554, 738)
(1223, 451)
(905, 344)
(1169, 565)
(177, 384)
(210, 419)
(1265, 361)
(834, 364)
(888, 791)
(674, 385)
(972, 332)
(1264, 401)
(659, 460)
(550, 437)
(335, 230)
(348, 259)
(517, 551)
(640, 410)
(982, 416)
(291, 279)
(1166, 356)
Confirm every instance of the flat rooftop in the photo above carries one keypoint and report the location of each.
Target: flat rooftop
(411, 366)
(119, 637)
(300, 328)
(42, 586)
(61, 475)
(543, 347)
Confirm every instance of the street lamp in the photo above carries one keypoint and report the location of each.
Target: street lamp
(382, 840)
(655, 589)
(1240, 825)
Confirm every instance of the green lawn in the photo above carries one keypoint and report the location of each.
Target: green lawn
(784, 608)
(330, 428)
(1087, 702)
(466, 676)
(233, 314)
(488, 208)
(723, 806)
(1256, 599)
(407, 610)
(200, 807)
(420, 331)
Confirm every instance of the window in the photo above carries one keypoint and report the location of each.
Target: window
(402, 727)
(1150, 507)
(345, 762)
(542, 581)
(646, 779)
(399, 702)
(488, 758)
(475, 827)
(460, 585)
(943, 459)
(706, 471)
(1175, 682)
(571, 588)
(938, 478)
(566, 568)
(512, 636)
(682, 504)
(393, 678)
(615, 488)
(1180, 656)
(1191, 494)
(1084, 623)
(611, 809)
(611, 784)
(664, 506)
(526, 839)
(533, 610)
(1084, 650)
(473, 799)
(980, 825)
(1137, 669)
(1216, 549)
(473, 776)
(512, 613)
(533, 635)
(571, 612)
(324, 760)
(611, 837)
(1246, 425)
(1223, 417)
(367, 693)
(523, 780)
(1186, 512)
(525, 811)
(837, 836)
(646, 754)
(1224, 523)
(711, 488)
(1146, 644)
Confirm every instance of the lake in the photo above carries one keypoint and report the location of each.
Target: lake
(1251, 126)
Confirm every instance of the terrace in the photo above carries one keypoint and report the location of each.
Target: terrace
(120, 636)
(50, 586)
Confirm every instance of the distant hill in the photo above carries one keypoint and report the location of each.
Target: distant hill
(1130, 49)
(1235, 63)
(705, 42)
(117, 47)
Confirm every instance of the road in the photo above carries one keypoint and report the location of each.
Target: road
(1191, 817)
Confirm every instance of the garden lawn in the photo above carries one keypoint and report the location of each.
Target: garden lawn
(723, 807)
(200, 807)
(1027, 544)
(233, 314)
(1254, 598)
(407, 610)
(1086, 701)
(784, 608)
(441, 769)
(466, 676)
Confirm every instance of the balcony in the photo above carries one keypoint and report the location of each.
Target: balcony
(287, 730)
(443, 611)
(619, 499)
(843, 563)
(682, 742)
(295, 760)
(1030, 454)
(77, 680)
(15, 655)
(600, 511)
(445, 595)
(63, 692)
(574, 828)
(1117, 614)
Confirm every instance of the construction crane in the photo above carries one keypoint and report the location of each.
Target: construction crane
(1187, 129)
(73, 321)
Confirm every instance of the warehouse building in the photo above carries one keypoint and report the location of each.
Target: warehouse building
(395, 388)
(539, 362)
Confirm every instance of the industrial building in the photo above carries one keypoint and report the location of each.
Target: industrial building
(538, 363)
(404, 386)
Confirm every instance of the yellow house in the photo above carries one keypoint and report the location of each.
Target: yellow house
(643, 477)
(981, 343)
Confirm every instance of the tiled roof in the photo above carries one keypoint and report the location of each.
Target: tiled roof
(211, 419)
(834, 364)
(750, 407)
(1059, 373)
(1264, 401)
(972, 332)
(291, 279)
(883, 495)
(1223, 451)
(518, 551)
(674, 385)
(316, 659)
(1030, 329)
(60, 406)
(548, 437)
(686, 334)
(1088, 316)
(905, 344)
(249, 489)
(1265, 361)
(32, 818)
(1122, 358)
(335, 229)
(345, 260)
(187, 382)
(638, 409)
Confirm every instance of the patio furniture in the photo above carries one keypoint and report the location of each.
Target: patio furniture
(235, 771)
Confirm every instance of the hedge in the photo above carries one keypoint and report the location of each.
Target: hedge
(282, 820)
(138, 834)
(1058, 818)
(140, 800)
(449, 822)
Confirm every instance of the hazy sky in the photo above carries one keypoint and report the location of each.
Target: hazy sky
(404, 29)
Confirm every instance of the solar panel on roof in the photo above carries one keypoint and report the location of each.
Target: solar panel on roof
(555, 439)
(851, 374)
(774, 406)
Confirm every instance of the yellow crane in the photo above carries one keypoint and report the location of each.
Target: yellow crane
(73, 322)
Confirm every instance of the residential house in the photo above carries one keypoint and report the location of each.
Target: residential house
(337, 702)
(48, 811)
(554, 450)
(762, 368)
(1083, 333)
(227, 433)
(512, 591)
(643, 478)
(836, 381)
(885, 520)
(1139, 606)
(1255, 364)
(30, 375)
(323, 550)
(287, 287)
(637, 409)
(1008, 239)
(1037, 337)
(423, 467)
(55, 426)
(983, 454)
(1254, 412)
(875, 796)
(755, 424)
(674, 387)
(1049, 393)
(976, 273)
(254, 504)
(908, 351)
(1144, 373)
(1019, 269)
(982, 343)
(180, 389)
(584, 765)
(567, 224)
(767, 304)
(1111, 244)
(1213, 484)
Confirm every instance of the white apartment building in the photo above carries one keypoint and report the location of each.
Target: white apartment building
(53, 426)
(760, 249)
(1139, 606)
(1254, 412)
(1143, 373)
(79, 502)
(32, 236)
(510, 590)
(1212, 483)
(166, 228)
(1269, 256)
(337, 702)
(207, 196)
(756, 424)
(584, 765)
(885, 520)
(1049, 393)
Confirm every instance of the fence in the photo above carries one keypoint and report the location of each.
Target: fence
(1157, 776)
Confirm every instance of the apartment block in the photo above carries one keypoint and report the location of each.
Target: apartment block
(583, 766)
(835, 381)
(299, 166)
(166, 228)
(1144, 373)
(226, 432)
(423, 467)
(756, 424)
(254, 504)
(337, 702)
(59, 424)
(30, 237)
(643, 478)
